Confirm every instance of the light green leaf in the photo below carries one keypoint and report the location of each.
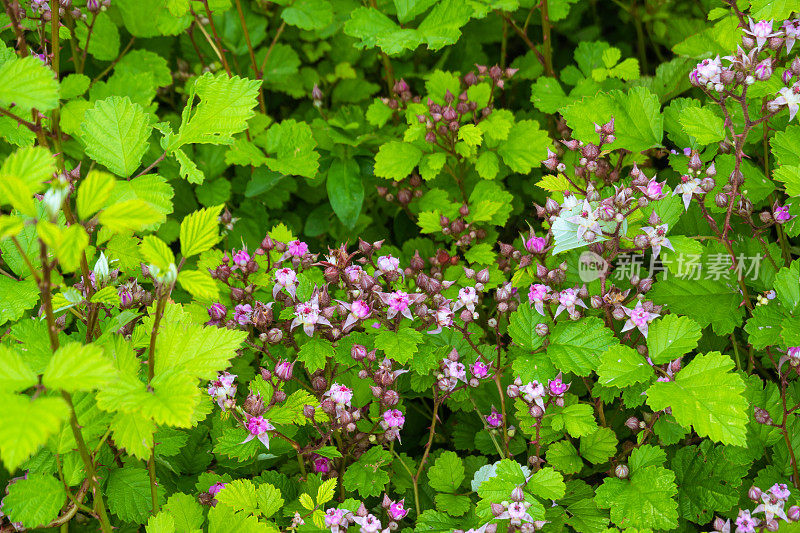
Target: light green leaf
(128, 494)
(128, 215)
(308, 14)
(547, 484)
(28, 83)
(345, 190)
(115, 133)
(447, 472)
(707, 395)
(622, 366)
(314, 353)
(576, 346)
(93, 193)
(78, 367)
(34, 501)
(644, 501)
(199, 231)
(396, 160)
(400, 345)
(670, 337)
(15, 374)
(599, 446)
(26, 424)
(525, 147)
(702, 124)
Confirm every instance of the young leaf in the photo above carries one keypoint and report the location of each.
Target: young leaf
(644, 501)
(199, 231)
(93, 193)
(26, 424)
(115, 133)
(447, 472)
(77, 367)
(34, 501)
(28, 83)
(396, 160)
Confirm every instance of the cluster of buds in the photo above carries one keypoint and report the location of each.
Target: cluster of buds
(591, 160)
(442, 122)
(401, 96)
(65, 7)
(771, 503)
(495, 75)
(403, 191)
(464, 232)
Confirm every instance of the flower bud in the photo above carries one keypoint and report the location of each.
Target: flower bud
(621, 471)
(719, 524)
(762, 416)
(274, 336)
(254, 405)
(754, 493)
(358, 352)
(542, 329)
(632, 423)
(772, 525)
(308, 411)
(517, 494)
(498, 509)
(793, 514)
(319, 383)
(278, 396)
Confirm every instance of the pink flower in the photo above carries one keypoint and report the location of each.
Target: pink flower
(223, 388)
(443, 318)
(216, 487)
(243, 314)
(393, 418)
(353, 273)
(308, 315)
(792, 30)
(639, 318)
(297, 248)
(781, 213)
(657, 238)
(533, 392)
(790, 97)
(359, 310)
(761, 31)
(334, 519)
(653, 190)
(537, 295)
(494, 419)
(285, 278)
(322, 465)
(535, 245)
(340, 394)
(258, 427)
(399, 302)
(708, 70)
(780, 491)
(557, 387)
(387, 263)
(479, 369)
(241, 258)
(369, 524)
(467, 297)
(397, 510)
(568, 299)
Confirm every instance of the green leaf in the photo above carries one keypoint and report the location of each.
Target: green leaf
(134, 432)
(128, 215)
(128, 494)
(78, 367)
(525, 147)
(93, 193)
(547, 95)
(470, 134)
(576, 346)
(293, 144)
(599, 446)
(644, 501)
(199, 284)
(156, 252)
(18, 297)
(240, 495)
(22, 175)
(622, 366)
(772, 9)
(186, 512)
(702, 124)
(452, 504)
(707, 395)
(28, 83)
(787, 285)
(314, 353)
(15, 374)
(226, 104)
(488, 165)
(115, 133)
(308, 14)
(367, 476)
(34, 501)
(638, 121)
(26, 424)
(160, 523)
(400, 345)
(345, 190)
(577, 419)
(564, 457)
(447, 473)
(199, 231)
(646, 455)
(547, 484)
(396, 160)
(670, 337)
(707, 301)
(709, 478)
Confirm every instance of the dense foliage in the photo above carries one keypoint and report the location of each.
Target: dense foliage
(419, 265)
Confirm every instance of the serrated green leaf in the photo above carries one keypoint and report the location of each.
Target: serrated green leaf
(78, 367)
(34, 501)
(599, 446)
(93, 193)
(644, 501)
(576, 346)
(396, 160)
(525, 147)
(28, 83)
(707, 395)
(702, 124)
(670, 337)
(400, 345)
(128, 494)
(115, 133)
(26, 424)
(314, 353)
(447, 472)
(199, 231)
(622, 366)
(367, 475)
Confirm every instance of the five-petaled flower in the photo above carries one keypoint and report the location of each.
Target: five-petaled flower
(657, 238)
(639, 318)
(258, 427)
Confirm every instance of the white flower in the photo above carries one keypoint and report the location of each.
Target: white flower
(790, 97)
(586, 221)
(687, 188)
(657, 238)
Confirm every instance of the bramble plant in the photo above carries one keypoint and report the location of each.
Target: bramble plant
(444, 266)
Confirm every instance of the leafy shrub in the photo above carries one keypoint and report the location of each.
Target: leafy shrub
(567, 298)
